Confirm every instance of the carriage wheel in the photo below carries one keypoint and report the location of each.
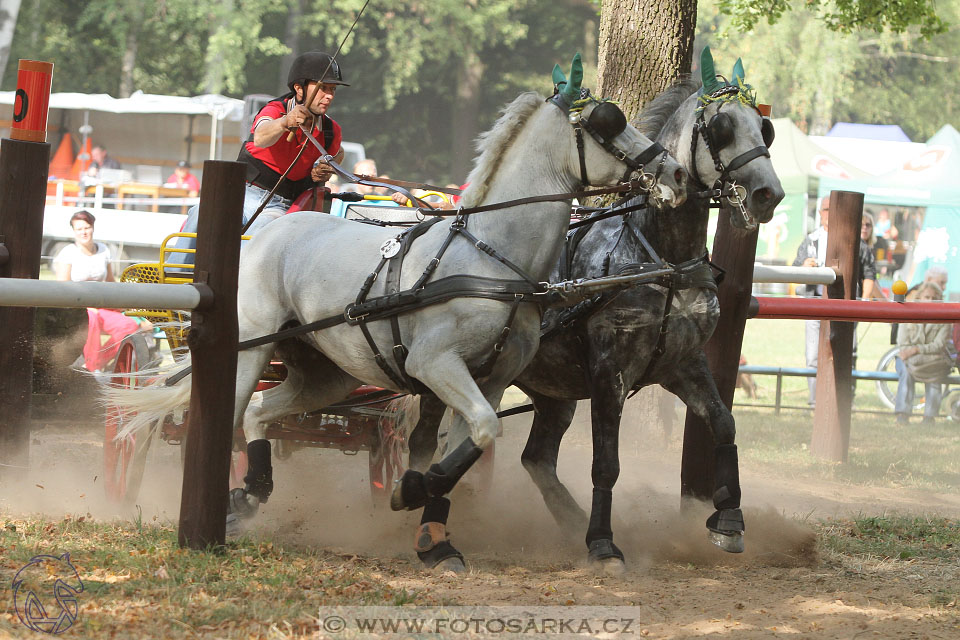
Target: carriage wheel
(124, 460)
(387, 461)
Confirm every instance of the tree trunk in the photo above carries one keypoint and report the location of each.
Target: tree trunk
(129, 63)
(291, 38)
(644, 46)
(465, 114)
(8, 21)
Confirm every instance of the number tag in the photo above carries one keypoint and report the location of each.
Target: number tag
(390, 248)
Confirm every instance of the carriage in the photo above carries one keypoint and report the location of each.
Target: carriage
(368, 421)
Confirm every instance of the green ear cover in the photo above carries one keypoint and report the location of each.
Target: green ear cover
(737, 73)
(707, 72)
(572, 91)
(558, 77)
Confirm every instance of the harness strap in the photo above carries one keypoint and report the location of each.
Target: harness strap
(486, 367)
(490, 251)
(580, 152)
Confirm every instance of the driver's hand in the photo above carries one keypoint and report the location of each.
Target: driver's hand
(297, 116)
(321, 172)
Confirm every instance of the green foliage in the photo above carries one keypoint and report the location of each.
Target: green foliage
(846, 16)
(816, 75)
(898, 537)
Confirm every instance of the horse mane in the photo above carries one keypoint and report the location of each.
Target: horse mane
(492, 145)
(656, 113)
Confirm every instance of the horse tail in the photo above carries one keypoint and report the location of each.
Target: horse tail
(148, 405)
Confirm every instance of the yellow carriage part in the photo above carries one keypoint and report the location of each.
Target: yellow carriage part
(164, 272)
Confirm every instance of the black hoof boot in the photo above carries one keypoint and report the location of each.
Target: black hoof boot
(605, 557)
(410, 492)
(726, 529)
(443, 557)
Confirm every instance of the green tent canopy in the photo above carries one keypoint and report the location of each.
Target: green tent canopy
(932, 180)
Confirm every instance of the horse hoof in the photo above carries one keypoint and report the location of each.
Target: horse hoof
(729, 542)
(453, 563)
(409, 492)
(236, 525)
(614, 567)
(606, 558)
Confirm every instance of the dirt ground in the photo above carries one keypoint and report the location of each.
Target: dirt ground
(677, 584)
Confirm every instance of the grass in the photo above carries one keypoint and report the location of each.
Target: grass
(895, 537)
(136, 576)
(780, 343)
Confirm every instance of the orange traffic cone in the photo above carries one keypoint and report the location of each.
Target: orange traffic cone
(62, 163)
(81, 163)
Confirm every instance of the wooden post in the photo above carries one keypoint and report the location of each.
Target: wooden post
(213, 340)
(23, 192)
(831, 416)
(734, 251)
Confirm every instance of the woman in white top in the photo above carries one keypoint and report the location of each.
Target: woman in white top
(88, 260)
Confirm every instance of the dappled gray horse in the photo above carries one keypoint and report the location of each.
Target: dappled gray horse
(310, 266)
(620, 341)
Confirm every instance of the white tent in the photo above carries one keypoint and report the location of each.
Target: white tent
(146, 129)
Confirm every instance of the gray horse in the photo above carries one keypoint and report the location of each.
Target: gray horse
(651, 334)
(311, 266)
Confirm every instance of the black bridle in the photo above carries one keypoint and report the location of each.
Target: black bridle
(603, 127)
(702, 129)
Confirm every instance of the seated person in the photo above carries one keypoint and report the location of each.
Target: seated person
(924, 357)
(183, 179)
(86, 260)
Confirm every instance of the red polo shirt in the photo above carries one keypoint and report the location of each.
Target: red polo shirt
(281, 153)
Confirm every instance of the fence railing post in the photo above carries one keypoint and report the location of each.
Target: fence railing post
(213, 340)
(831, 415)
(23, 192)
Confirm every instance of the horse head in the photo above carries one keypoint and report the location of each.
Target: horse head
(728, 140)
(608, 150)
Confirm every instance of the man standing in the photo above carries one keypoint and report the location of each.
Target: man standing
(812, 252)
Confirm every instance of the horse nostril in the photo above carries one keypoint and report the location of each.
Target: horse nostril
(764, 194)
(679, 175)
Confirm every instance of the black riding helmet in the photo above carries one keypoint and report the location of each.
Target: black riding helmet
(317, 66)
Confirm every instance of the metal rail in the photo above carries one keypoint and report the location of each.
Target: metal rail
(854, 310)
(23, 292)
(810, 372)
(796, 275)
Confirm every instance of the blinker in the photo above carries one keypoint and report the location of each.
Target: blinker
(720, 131)
(767, 131)
(607, 120)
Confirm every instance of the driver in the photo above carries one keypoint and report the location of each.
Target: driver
(268, 153)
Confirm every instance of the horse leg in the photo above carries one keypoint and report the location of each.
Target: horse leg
(312, 383)
(474, 428)
(551, 420)
(607, 395)
(423, 437)
(243, 503)
(699, 392)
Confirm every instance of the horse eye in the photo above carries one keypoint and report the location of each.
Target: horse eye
(720, 130)
(607, 120)
(767, 131)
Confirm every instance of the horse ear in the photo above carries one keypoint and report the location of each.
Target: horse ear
(708, 73)
(558, 77)
(572, 91)
(738, 72)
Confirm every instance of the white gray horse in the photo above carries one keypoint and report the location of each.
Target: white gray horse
(310, 266)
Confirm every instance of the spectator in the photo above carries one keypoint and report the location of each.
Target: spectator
(181, 178)
(366, 168)
(99, 159)
(86, 260)
(812, 252)
(868, 238)
(936, 275)
(884, 226)
(924, 357)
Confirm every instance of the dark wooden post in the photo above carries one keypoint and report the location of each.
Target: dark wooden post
(831, 417)
(213, 340)
(734, 251)
(23, 192)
